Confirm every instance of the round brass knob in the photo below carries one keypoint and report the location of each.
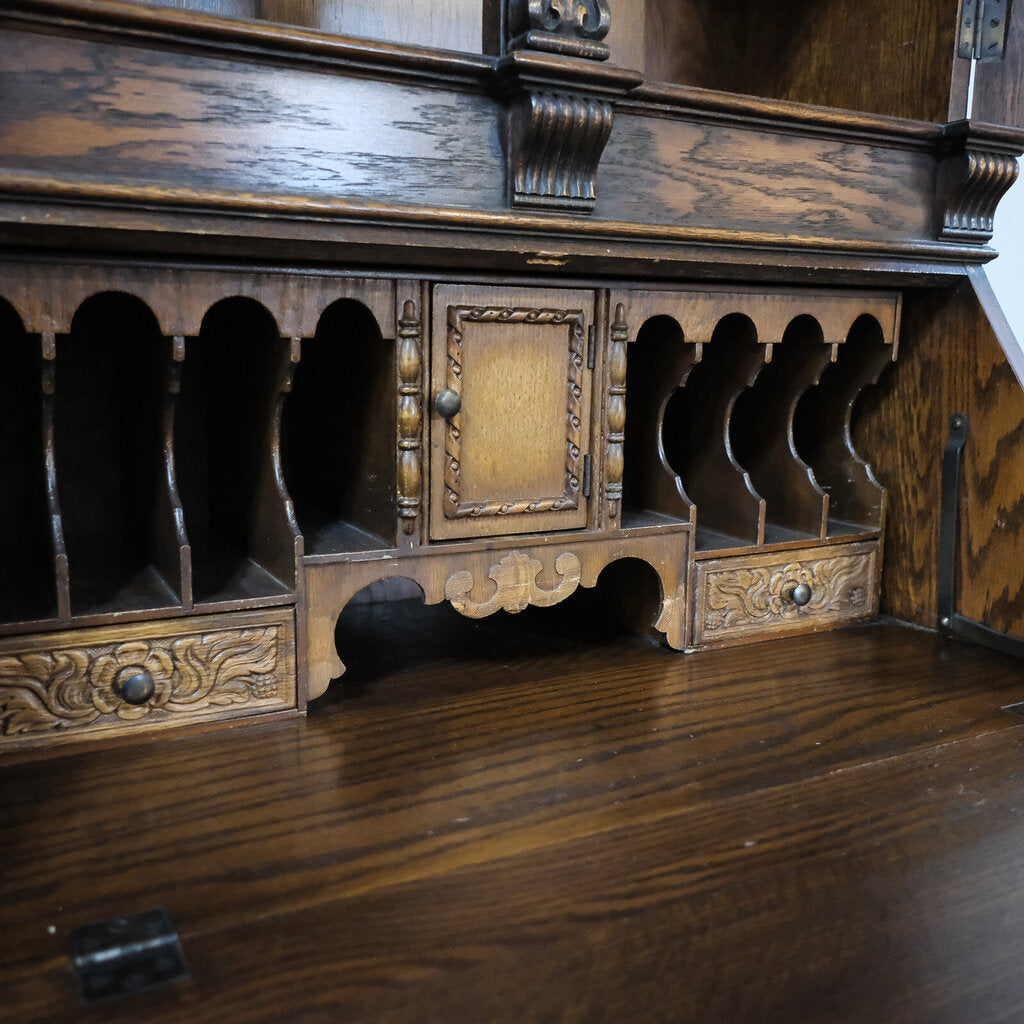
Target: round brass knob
(136, 686)
(448, 403)
(800, 594)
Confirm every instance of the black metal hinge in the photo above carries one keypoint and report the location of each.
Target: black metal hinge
(126, 954)
(591, 347)
(588, 475)
(983, 29)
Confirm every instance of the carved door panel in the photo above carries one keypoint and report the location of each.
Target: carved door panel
(510, 410)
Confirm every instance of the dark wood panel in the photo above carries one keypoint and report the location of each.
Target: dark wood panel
(493, 759)
(680, 172)
(685, 43)
(102, 112)
(890, 892)
(869, 55)
(228, 133)
(950, 361)
(894, 59)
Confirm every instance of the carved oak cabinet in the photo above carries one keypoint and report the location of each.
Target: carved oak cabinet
(296, 301)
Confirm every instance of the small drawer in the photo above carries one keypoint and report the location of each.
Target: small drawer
(109, 680)
(756, 597)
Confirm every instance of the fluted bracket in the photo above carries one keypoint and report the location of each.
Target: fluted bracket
(555, 145)
(977, 168)
(571, 28)
(560, 112)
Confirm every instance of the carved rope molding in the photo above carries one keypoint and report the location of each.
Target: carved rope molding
(555, 145)
(571, 28)
(410, 417)
(515, 582)
(74, 687)
(454, 506)
(741, 597)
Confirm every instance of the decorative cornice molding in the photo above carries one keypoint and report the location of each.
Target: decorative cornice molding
(277, 220)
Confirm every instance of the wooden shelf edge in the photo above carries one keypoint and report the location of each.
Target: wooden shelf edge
(277, 220)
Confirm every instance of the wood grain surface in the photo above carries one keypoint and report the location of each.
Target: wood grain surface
(104, 112)
(950, 361)
(677, 172)
(91, 116)
(494, 821)
(865, 55)
(895, 59)
(446, 24)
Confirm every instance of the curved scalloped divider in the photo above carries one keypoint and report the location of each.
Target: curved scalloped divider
(47, 295)
(31, 538)
(339, 433)
(240, 522)
(658, 362)
(762, 435)
(697, 445)
(822, 429)
(111, 389)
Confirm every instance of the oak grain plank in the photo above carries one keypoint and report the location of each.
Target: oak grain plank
(887, 890)
(451, 757)
(950, 362)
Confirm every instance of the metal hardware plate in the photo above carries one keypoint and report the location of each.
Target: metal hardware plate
(983, 29)
(126, 954)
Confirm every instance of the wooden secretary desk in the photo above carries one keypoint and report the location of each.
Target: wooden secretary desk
(500, 298)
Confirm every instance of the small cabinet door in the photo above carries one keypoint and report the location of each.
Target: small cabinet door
(510, 410)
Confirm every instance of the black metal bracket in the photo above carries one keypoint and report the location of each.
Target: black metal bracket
(126, 954)
(950, 621)
(949, 521)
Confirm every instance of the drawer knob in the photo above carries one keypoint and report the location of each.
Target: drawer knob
(799, 594)
(136, 686)
(448, 403)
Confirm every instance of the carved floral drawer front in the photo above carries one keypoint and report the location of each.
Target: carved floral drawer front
(94, 681)
(760, 596)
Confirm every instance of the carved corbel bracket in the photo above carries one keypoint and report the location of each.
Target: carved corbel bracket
(978, 166)
(558, 121)
(559, 101)
(555, 145)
